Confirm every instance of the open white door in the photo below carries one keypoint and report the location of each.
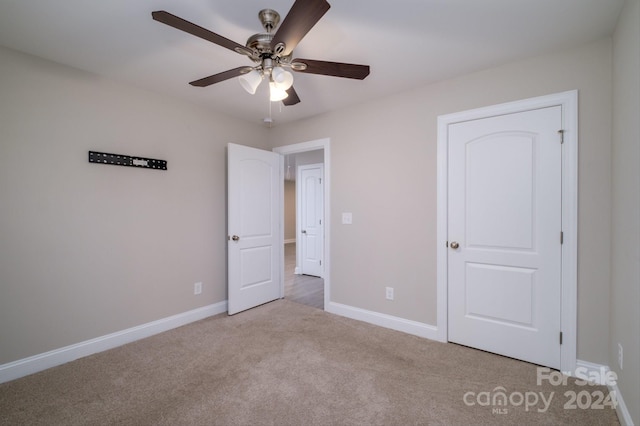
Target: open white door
(254, 240)
(310, 194)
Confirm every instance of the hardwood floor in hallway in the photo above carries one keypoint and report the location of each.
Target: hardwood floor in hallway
(303, 289)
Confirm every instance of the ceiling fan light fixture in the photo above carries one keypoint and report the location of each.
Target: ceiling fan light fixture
(250, 81)
(282, 78)
(276, 93)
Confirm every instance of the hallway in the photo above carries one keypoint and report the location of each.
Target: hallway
(303, 289)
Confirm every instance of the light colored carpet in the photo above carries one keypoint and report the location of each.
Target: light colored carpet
(284, 364)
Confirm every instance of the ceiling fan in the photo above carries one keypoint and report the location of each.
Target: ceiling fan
(272, 52)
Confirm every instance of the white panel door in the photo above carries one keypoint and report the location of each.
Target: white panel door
(504, 258)
(310, 193)
(254, 240)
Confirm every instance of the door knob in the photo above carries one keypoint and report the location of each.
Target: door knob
(235, 238)
(454, 245)
(304, 231)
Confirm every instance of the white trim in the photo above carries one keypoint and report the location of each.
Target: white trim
(569, 103)
(383, 320)
(33, 364)
(621, 409)
(569, 316)
(594, 370)
(280, 236)
(589, 369)
(442, 159)
(325, 145)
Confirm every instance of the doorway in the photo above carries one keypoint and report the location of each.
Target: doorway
(299, 286)
(507, 228)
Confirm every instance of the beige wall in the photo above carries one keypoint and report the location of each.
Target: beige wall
(289, 210)
(87, 249)
(385, 173)
(309, 157)
(625, 247)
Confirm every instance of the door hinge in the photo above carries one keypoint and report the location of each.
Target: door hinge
(319, 221)
(561, 237)
(320, 181)
(561, 337)
(561, 132)
(320, 262)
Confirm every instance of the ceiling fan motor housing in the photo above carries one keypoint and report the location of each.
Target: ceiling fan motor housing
(261, 42)
(269, 19)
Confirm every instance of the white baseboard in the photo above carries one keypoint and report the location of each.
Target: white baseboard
(384, 320)
(623, 412)
(621, 409)
(23, 367)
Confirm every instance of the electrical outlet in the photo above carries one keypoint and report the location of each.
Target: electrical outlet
(389, 293)
(620, 355)
(197, 288)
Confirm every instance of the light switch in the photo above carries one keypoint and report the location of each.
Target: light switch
(347, 218)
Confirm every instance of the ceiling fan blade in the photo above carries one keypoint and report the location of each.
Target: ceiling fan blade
(217, 78)
(304, 14)
(335, 69)
(191, 28)
(292, 99)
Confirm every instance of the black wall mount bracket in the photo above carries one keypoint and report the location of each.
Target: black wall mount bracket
(126, 160)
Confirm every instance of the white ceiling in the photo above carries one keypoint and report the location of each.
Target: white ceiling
(407, 43)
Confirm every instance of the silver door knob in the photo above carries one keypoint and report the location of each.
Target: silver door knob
(454, 245)
(235, 238)
(304, 231)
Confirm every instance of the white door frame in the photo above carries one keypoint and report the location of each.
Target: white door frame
(323, 144)
(569, 103)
